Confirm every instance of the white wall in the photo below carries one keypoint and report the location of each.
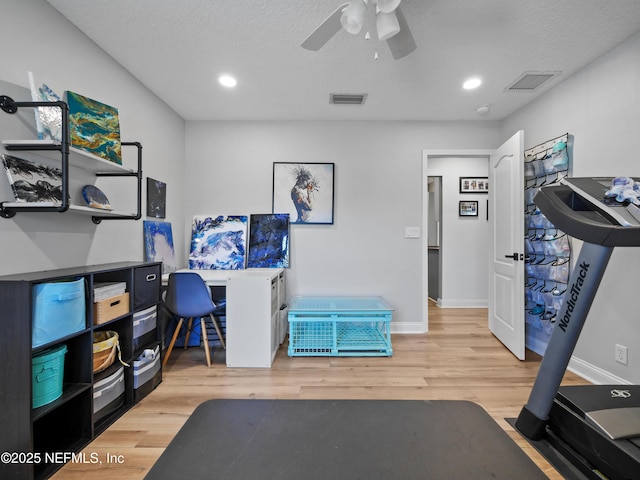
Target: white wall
(378, 176)
(35, 37)
(465, 240)
(600, 106)
(378, 192)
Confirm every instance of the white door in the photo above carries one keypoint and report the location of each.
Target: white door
(506, 225)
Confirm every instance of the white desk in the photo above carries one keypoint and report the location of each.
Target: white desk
(255, 324)
(219, 277)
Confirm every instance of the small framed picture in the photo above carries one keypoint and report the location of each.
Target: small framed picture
(156, 198)
(474, 184)
(468, 208)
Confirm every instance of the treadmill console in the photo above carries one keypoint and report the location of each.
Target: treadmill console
(594, 191)
(581, 208)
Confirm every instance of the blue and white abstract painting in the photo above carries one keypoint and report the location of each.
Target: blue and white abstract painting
(269, 241)
(218, 242)
(158, 244)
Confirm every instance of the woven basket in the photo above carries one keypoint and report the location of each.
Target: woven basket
(105, 345)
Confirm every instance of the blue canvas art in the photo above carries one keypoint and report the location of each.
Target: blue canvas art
(158, 244)
(218, 243)
(269, 241)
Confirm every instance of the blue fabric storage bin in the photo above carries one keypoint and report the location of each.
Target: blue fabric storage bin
(58, 310)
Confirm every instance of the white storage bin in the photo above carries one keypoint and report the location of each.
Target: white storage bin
(144, 327)
(147, 373)
(108, 393)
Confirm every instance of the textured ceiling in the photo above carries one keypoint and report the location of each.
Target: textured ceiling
(178, 49)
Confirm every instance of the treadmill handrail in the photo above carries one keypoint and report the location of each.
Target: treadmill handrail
(590, 224)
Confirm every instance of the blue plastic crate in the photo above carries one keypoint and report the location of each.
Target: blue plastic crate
(312, 337)
(339, 326)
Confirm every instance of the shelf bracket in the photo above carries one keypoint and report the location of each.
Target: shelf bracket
(138, 175)
(4, 213)
(7, 104)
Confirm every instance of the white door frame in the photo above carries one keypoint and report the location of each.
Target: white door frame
(425, 221)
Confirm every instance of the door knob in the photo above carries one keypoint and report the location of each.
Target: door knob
(514, 257)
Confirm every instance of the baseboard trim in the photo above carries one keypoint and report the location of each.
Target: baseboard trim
(462, 303)
(407, 327)
(594, 374)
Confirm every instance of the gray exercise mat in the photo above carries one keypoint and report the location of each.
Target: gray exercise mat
(342, 439)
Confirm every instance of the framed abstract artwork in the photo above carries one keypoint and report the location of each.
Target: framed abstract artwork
(268, 241)
(156, 198)
(158, 244)
(304, 191)
(468, 209)
(32, 182)
(474, 184)
(218, 242)
(94, 127)
(49, 118)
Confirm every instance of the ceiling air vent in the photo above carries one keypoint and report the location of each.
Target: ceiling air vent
(530, 81)
(347, 98)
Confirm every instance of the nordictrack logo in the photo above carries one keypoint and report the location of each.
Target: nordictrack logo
(573, 296)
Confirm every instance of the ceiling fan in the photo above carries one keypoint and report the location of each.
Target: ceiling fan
(390, 25)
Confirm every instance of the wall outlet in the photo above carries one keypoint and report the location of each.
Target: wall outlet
(621, 354)
(412, 232)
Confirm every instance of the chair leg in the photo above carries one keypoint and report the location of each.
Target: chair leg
(215, 325)
(205, 341)
(172, 343)
(186, 338)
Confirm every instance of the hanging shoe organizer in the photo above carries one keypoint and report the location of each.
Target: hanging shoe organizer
(548, 250)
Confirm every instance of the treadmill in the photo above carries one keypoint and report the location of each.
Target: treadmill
(595, 427)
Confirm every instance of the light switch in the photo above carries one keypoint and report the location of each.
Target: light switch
(412, 232)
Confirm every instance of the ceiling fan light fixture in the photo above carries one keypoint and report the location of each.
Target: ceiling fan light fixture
(387, 25)
(353, 16)
(387, 6)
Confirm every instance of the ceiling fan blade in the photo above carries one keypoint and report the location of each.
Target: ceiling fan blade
(402, 43)
(325, 31)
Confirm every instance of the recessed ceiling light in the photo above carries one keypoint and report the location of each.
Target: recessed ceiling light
(471, 83)
(227, 81)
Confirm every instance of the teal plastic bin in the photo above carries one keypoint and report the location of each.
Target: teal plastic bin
(47, 375)
(58, 310)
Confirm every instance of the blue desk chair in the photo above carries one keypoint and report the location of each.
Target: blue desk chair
(188, 296)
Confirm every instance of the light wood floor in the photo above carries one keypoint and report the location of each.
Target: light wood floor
(458, 359)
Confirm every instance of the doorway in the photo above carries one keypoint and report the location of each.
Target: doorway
(434, 237)
(452, 267)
